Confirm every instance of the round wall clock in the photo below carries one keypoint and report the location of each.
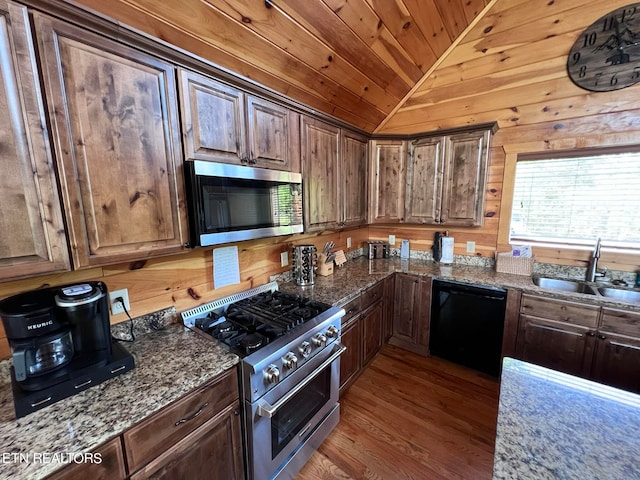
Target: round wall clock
(606, 56)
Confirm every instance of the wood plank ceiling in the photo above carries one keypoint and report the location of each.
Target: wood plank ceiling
(353, 59)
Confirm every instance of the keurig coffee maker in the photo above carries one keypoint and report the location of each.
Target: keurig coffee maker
(61, 343)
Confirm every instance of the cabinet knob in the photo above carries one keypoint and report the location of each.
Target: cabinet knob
(591, 334)
(602, 337)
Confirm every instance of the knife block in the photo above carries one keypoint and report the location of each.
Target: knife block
(324, 269)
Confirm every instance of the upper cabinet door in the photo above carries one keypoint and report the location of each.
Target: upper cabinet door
(320, 157)
(387, 181)
(273, 135)
(114, 114)
(32, 235)
(353, 175)
(212, 120)
(465, 178)
(424, 181)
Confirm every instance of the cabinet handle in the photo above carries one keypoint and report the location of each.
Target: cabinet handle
(184, 420)
(83, 384)
(41, 402)
(244, 160)
(236, 412)
(602, 337)
(591, 334)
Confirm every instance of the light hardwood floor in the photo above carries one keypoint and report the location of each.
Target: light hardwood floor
(411, 417)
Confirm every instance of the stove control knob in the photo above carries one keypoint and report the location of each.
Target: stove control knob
(319, 340)
(271, 374)
(332, 332)
(290, 361)
(305, 349)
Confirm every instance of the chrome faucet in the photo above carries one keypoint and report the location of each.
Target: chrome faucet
(592, 269)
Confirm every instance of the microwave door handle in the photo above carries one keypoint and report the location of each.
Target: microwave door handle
(268, 411)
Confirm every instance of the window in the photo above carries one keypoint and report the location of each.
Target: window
(575, 200)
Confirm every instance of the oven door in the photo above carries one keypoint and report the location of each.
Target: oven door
(284, 419)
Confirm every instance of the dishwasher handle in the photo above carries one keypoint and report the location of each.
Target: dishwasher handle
(454, 288)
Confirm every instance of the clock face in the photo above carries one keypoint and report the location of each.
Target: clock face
(606, 56)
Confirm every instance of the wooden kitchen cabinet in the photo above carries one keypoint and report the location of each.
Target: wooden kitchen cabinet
(362, 333)
(162, 431)
(617, 356)
(212, 452)
(33, 239)
(320, 175)
(110, 467)
(425, 172)
(561, 346)
(387, 181)
(353, 174)
(372, 321)
(465, 178)
(446, 179)
(387, 328)
(351, 359)
(411, 312)
(222, 123)
(557, 334)
(114, 117)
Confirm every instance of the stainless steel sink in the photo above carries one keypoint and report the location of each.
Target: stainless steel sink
(563, 285)
(577, 286)
(627, 296)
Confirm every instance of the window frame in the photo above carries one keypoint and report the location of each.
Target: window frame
(553, 243)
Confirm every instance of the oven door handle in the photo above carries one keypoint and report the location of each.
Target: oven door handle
(268, 411)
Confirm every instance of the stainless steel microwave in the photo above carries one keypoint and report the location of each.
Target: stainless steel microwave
(230, 203)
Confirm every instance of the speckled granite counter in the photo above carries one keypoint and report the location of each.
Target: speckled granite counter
(169, 364)
(552, 425)
(361, 273)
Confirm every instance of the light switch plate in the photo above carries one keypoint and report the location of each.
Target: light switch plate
(348, 242)
(471, 247)
(284, 259)
(392, 239)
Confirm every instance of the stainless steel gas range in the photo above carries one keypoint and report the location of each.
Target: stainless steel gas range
(290, 372)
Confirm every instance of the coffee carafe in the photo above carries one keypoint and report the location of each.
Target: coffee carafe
(61, 343)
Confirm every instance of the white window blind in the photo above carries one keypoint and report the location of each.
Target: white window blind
(576, 200)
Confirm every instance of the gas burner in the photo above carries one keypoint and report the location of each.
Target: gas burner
(225, 327)
(251, 342)
(249, 324)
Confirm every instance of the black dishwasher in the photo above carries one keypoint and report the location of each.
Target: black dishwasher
(466, 324)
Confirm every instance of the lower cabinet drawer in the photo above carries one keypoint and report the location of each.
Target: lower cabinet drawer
(372, 295)
(162, 430)
(351, 309)
(560, 310)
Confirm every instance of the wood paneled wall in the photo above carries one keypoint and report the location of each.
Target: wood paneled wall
(186, 280)
(511, 68)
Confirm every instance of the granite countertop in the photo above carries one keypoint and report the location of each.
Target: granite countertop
(169, 363)
(553, 425)
(361, 273)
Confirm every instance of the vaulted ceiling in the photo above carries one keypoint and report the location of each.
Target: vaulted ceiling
(353, 59)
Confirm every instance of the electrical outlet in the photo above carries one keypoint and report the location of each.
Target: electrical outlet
(471, 247)
(348, 242)
(392, 239)
(284, 259)
(116, 307)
